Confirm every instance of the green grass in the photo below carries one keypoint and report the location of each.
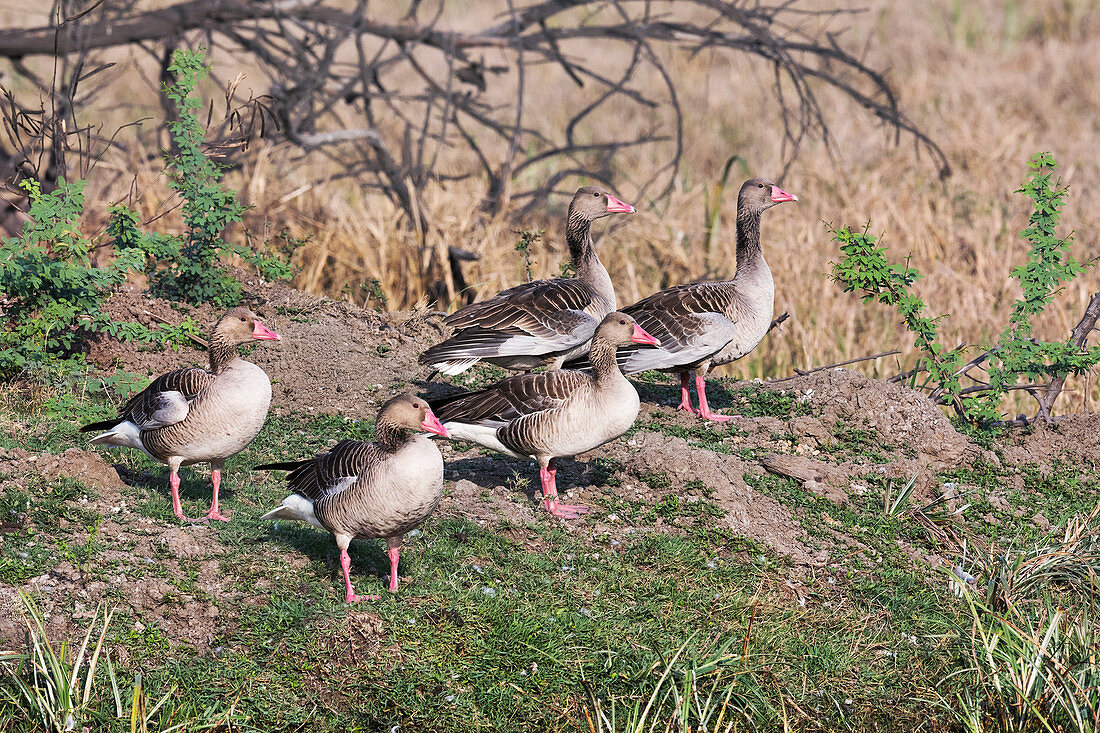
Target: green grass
(490, 632)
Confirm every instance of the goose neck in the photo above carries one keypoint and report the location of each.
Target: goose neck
(602, 358)
(578, 236)
(222, 353)
(749, 253)
(389, 436)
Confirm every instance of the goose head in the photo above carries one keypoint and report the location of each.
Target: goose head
(240, 325)
(760, 194)
(411, 413)
(619, 329)
(592, 202)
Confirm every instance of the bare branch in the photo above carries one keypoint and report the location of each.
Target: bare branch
(1078, 337)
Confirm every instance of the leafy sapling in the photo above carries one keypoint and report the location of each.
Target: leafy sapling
(1017, 354)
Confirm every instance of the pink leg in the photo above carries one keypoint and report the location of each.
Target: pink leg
(216, 477)
(704, 410)
(395, 555)
(550, 491)
(345, 563)
(685, 395)
(177, 508)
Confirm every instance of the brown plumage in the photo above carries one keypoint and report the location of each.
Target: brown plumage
(706, 324)
(196, 415)
(542, 322)
(555, 413)
(367, 490)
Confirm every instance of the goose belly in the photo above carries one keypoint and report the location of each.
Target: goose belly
(752, 313)
(391, 500)
(588, 425)
(752, 327)
(226, 418)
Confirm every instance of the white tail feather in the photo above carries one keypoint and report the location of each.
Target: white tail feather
(455, 366)
(485, 435)
(124, 435)
(295, 507)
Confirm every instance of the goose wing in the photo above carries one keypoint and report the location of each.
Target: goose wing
(167, 400)
(536, 318)
(690, 321)
(512, 398)
(331, 473)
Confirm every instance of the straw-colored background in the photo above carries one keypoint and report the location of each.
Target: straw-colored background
(991, 82)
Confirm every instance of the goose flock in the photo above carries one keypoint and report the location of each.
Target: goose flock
(583, 400)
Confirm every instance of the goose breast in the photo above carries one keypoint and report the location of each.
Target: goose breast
(393, 498)
(225, 418)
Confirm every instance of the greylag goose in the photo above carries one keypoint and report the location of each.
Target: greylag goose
(706, 324)
(543, 322)
(554, 413)
(195, 415)
(368, 490)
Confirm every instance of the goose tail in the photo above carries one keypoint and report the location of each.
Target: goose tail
(296, 507)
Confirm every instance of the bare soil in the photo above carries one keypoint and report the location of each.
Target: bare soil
(338, 358)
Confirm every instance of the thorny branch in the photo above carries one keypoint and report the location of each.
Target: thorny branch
(392, 100)
(1044, 394)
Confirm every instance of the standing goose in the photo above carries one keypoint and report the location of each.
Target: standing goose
(707, 324)
(543, 322)
(198, 415)
(368, 490)
(555, 413)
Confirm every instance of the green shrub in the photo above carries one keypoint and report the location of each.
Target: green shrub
(53, 294)
(189, 268)
(1016, 354)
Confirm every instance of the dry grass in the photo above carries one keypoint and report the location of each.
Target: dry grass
(993, 82)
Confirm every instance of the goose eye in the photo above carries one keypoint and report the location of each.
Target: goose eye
(760, 185)
(243, 319)
(622, 323)
(596, 195)
(416, 405)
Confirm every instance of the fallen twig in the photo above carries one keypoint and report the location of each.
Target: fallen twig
(196, 339)
(803, 372)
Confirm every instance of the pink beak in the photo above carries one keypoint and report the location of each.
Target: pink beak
(642, 337)
(614, 206)
(263, 333)
(432, 425)
(779, 195)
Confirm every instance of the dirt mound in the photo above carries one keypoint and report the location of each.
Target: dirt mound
(903, 418)
(87, 467)
(697, 474)
(335, 357)
(1073, 439)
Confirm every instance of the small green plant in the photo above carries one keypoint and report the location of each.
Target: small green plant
(866, 269)
(188, 267)
(372, 289)
(527, 237)
(714, 692)
(54, 295)
(895, 501)
(57, 690)
(1049, 266)
(1016, 354)
(1031, 628)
